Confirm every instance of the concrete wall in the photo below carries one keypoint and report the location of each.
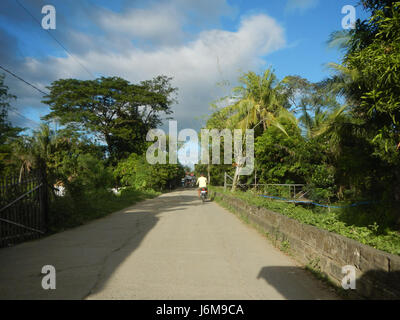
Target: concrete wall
(378, 272)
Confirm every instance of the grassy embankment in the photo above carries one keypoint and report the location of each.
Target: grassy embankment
(349, 223)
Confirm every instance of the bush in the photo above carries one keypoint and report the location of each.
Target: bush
(136, 172)
(91, 176)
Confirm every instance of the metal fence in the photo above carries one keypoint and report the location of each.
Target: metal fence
(293, 191)
(23, 208)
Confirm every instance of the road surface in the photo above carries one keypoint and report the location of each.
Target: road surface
(170, 247)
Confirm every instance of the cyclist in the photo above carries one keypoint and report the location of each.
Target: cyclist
(202, 182)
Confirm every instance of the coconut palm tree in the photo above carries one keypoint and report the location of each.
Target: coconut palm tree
(321, 122)
(257, 102)
(34, 152)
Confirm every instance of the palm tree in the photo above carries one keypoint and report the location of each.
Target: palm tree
(321, 122)
(257, 102)
(34, 152)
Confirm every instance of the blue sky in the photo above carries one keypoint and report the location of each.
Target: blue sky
(198, 43)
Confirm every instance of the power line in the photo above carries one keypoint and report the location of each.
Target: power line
(16, 111)
(26, 118)
(55, 39)
(19, 78)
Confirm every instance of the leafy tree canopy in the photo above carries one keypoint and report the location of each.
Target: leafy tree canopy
(116, 111)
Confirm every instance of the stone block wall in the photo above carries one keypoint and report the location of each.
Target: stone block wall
(378, 272)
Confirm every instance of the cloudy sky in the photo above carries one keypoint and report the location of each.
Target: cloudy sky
(197, 42)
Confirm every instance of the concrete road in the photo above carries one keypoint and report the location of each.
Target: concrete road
(171, 247)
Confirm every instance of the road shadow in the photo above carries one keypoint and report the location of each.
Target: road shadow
(86, 256)
(146, 215)
(295, 283)
(379, 284)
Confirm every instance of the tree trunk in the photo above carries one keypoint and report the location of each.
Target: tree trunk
(235, 178)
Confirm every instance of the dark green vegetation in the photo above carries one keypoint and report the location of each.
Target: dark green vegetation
(100, 145)
(340, 137)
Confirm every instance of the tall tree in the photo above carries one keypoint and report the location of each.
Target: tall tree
(257, 102)
(116, 111)
(368, 78)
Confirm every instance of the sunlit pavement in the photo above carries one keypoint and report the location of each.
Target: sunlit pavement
(170, 247)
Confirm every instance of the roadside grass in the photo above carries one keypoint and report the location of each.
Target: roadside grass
(384, 239)
(67, 212)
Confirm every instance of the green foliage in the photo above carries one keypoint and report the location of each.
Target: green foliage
(275, 155)
(342, 153)
(322, 183)
(136, 172)
(300, 95)
(111, 108)
(368, 158)
(34, 152)
(93, 177)
(377, 66)
(69, 147)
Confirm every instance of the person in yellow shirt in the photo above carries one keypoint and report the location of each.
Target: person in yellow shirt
(202, 182)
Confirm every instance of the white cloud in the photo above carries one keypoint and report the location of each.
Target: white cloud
(196, 65)
(161, 24)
